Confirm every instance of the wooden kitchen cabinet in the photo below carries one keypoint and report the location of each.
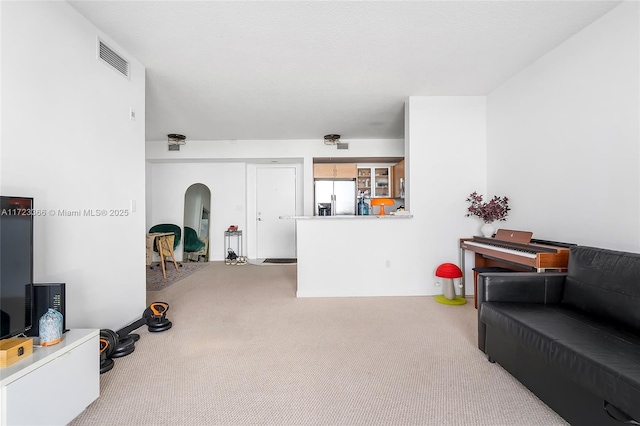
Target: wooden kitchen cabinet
(322, 170)
(398, 174)
(346, 170)
(334, 170)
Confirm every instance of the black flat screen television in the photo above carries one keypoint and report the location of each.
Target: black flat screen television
(16, 265)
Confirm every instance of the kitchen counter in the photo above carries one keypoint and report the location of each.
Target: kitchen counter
(386, 216)
(347, 256)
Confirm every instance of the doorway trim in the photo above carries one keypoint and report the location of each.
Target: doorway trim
(251, 238)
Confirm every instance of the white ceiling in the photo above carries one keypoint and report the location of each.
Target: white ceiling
(219, 70)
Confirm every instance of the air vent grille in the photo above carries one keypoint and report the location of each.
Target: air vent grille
(110, 57)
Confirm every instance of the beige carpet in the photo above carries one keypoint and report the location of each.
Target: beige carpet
(244, 350)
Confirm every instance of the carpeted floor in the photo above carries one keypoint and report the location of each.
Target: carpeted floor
(156, 282)
(243, 350)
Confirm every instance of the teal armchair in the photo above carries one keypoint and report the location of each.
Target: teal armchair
(195, 247)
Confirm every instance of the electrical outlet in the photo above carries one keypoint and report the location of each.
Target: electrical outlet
(387, 264)
(132, 114)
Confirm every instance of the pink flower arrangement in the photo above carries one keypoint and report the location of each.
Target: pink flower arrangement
(496, 209)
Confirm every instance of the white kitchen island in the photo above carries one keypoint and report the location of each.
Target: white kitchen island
(343, 256)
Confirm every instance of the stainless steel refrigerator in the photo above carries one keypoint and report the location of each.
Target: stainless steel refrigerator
(335, 197)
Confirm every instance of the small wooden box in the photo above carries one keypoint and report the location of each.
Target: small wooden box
(15, 349)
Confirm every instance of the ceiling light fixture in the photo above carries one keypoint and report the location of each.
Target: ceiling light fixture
(335, 140)
(331, 139)
(175, 140)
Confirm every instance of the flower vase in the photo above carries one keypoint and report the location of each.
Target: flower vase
(487, 229)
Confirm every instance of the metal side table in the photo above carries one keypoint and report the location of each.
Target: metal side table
(233, 237)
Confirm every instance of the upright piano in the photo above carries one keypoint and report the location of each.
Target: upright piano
(515, 251)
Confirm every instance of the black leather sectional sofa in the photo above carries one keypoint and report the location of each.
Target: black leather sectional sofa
(572, 338)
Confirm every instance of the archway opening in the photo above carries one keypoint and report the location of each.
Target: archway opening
(197, 211)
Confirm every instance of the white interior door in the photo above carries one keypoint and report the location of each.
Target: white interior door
(275, 197)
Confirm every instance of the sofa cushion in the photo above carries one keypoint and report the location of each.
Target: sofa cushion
(604, 283)
(597, 355)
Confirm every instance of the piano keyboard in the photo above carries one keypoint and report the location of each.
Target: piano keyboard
(529, 255)
(502, 249)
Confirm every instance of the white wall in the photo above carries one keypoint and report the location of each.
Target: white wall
(563, 138)
(364, 256)
(378, 257)
(226, 181)
(447, 143)
(68, 142)
(272, 149)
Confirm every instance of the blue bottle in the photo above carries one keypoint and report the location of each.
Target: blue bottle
(363, 207)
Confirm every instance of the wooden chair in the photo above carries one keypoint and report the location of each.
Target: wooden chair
(166, 237)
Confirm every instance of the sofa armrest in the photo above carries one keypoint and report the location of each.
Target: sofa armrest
(523, 287)
(517, 287)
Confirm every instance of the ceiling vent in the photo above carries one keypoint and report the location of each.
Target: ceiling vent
(114, 60)
(335, 140)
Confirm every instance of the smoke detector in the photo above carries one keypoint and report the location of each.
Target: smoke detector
(175, 140)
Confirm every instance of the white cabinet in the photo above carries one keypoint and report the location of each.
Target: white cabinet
(364, 180)
(381, 182)
(374, 181)
(54, 384)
